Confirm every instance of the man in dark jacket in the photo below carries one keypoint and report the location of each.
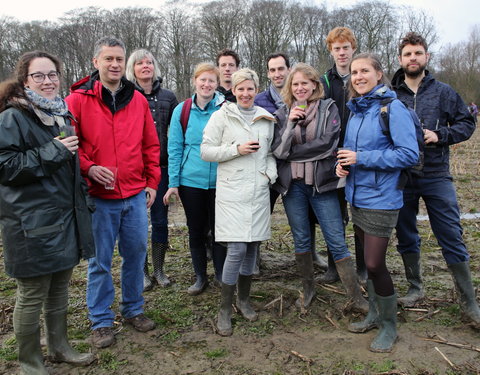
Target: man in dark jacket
(228, 62)
(342, 44)
(115, 129)
(446, 121)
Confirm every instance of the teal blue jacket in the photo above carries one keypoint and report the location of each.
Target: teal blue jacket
(185, 166)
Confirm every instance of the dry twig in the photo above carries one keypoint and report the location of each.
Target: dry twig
(445, 358)
(427, 316)
(331, 288)
(301, 356)
(441, 340)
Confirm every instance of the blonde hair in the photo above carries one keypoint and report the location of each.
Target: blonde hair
(245, 74)
(206, 67)
(308, 72)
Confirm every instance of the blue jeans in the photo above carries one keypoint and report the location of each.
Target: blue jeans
(444, 215)
(327, 210)
(159, 212)
(240, 259)
(125, 219)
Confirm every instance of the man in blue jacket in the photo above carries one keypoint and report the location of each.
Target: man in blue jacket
(446, 121)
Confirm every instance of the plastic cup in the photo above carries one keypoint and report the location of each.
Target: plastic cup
(111, 185)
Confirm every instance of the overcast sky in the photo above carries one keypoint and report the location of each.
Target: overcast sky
(454, 19)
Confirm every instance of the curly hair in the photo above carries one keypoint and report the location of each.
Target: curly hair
(414, 39)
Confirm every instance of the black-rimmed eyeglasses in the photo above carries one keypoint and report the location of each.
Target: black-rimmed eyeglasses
(40, 77)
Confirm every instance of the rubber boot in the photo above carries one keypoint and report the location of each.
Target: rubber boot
(413, 274)
(59, 350)
(362, 273)
(347, 274)
(30, 354)
(224, 317)
(371, 320)
(199, 261)
(243, 298)
(331, 276)
(147, 282)
(158, 257)
(319, 262)
(387, 314)
(466, 293)
(305, 270)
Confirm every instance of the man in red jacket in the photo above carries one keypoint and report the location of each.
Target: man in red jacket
(119, 155)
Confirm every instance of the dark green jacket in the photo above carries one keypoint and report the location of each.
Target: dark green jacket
(44, 217)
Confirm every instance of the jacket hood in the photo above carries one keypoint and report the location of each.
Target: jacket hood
(88, 83)
(217, 100)
(399, 78)
(156, 87)
(231, 109)
(362, 103)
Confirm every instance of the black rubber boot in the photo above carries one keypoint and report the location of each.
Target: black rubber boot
(413, 274)
(30, 354)
(387, 314)
(360, 262)
(199, 260)
(224, 317)
(59, 350)
(158, 257)
(347, 274)
(305, 270)
(371, 320)
(243, 298)
(466, 293)
(317, 261)
(331, 276)
(147, 281)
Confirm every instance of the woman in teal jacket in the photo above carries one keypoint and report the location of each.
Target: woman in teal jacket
(192, 179)
(372, 161)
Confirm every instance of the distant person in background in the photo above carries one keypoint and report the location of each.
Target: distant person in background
(143, 70)
(45, 220)
(192, 179)
(238, 137)
(372, 162)
(446, 121)
(228, 62)
(342, 44)
(305, 142)
(473, 109)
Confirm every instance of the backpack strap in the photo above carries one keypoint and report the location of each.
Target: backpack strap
(385, 116)
(185, 114)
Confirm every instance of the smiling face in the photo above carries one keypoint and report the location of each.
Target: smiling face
(364, 77)
(144, 69)
(48, 88)
(245, 93)
(110, 63)
(227, 66)
(414, 60)
(277, 71)
(205, 85)
(302, 87)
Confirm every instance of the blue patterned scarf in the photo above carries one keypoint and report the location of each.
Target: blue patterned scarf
(56, 107)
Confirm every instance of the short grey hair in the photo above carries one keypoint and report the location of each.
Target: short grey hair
(107, 41)
(136, 56)
(245, 74)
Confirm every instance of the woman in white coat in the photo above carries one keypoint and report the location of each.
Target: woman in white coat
(238, 137)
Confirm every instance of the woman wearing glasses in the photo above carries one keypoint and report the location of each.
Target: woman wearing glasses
(45, 219)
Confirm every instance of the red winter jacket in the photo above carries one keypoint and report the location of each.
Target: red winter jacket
(115, 131)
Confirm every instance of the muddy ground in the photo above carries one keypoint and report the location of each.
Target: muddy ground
(283, 341)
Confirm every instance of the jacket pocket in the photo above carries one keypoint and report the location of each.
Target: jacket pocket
(230, 185)
(44, 232)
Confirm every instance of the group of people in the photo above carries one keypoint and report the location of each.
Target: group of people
(77, 177)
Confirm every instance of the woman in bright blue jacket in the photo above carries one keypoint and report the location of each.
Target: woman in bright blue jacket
(192, 179)
(372, 162)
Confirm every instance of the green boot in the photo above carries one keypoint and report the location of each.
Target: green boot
(387, 335)
(224, 317)
(243, 298)
(30, 354)
(371, 320)
(59, 350)
(413, 273)
(466, 293)
(305, 270)
(347, 274)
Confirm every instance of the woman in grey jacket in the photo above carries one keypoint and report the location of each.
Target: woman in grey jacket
(305, 143)
(46, 224)
(238, 137)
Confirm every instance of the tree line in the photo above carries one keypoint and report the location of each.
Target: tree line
(181, 35)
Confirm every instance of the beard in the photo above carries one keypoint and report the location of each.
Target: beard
(414, 73)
